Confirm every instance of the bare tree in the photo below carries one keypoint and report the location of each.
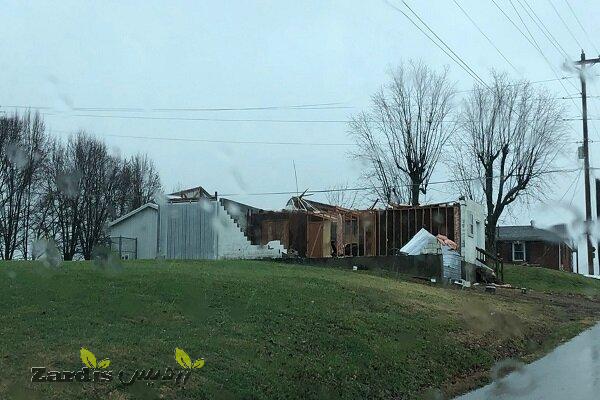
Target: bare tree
(138, 183)
(388, 183)
(62, 204)
(402, 136)
(510, 139)
(341, 196)
(22, 140)
(99, 178)
(85, 187)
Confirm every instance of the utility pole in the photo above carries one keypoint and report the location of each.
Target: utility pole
(598, 206)
(586, 160)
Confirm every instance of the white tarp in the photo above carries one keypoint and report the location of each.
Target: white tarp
(420, 242)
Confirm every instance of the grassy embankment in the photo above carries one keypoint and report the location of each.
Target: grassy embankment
(265, 330)
(551, 281)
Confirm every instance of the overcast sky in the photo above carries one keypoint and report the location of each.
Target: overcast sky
(124, 60)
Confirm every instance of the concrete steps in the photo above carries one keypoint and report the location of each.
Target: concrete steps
(233, 243)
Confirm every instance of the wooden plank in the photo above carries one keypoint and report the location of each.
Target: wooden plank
(393, 228)
(315, 239)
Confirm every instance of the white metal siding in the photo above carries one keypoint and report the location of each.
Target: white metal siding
(187, 231)
(142, 226)
(471, 212)
(452, 262)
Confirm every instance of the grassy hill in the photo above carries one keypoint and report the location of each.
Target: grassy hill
(265, 330)
(551, 281)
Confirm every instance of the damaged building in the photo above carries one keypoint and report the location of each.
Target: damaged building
(193, 224)
(189, 224)
(311, 229)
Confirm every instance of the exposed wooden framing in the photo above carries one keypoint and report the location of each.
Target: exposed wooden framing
(446, 221)
(405, 221)
(358, 235)
(393, 229)
(377, 225)
(415, 221)
(387, 246)
(429, 212)
(398, 244)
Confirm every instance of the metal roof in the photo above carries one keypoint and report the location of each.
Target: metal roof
(132, 213)
(528, 233)
(191, 193)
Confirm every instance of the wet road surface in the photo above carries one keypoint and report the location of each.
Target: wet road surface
(571, 371)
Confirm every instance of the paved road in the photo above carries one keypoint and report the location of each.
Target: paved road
(571, 371)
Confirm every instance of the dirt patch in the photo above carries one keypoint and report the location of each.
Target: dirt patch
(562, 316)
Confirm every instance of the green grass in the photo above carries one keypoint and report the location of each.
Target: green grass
(265, 330)
(552, 281)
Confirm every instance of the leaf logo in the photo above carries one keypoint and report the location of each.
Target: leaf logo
(185, 361)
(89, 359)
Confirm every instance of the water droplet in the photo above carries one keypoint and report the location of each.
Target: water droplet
(105, 258)
(511, 377)
(68, 183)
(45, 251)
(433, 394)
(16, 156)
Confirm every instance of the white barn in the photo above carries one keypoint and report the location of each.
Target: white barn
(193, 229)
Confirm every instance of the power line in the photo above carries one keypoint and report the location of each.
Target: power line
(565, 24)
(554, 42)
(444, 43)
(582, 28)
(513, 23)
(543, 28)
(140, 109)
(176, 139)
(407, 185)
(562, 78)
(571, 185)
(487, 37)
(318, 106)
(145, 117)
(549, 36)
(575, 188)
(303, 121)
(457, 61)
(578, 97)
(539, 49)
(535, 46)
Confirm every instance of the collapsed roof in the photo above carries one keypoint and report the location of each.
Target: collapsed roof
(300, 203)
(195, 193)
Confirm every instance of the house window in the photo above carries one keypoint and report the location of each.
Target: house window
(471, 224)
(518, 251)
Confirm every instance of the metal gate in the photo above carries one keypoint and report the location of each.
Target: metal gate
(125, 247)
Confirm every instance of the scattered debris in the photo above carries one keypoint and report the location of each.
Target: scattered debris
(462, 283)
(490, 289)
(447, 242)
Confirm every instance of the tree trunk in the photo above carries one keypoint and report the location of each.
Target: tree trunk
(490, 233)
(414, 194)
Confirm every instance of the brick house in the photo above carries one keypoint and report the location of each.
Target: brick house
(536, 246)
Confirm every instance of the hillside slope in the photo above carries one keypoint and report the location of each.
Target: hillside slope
(552, 281)
(264, 330)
